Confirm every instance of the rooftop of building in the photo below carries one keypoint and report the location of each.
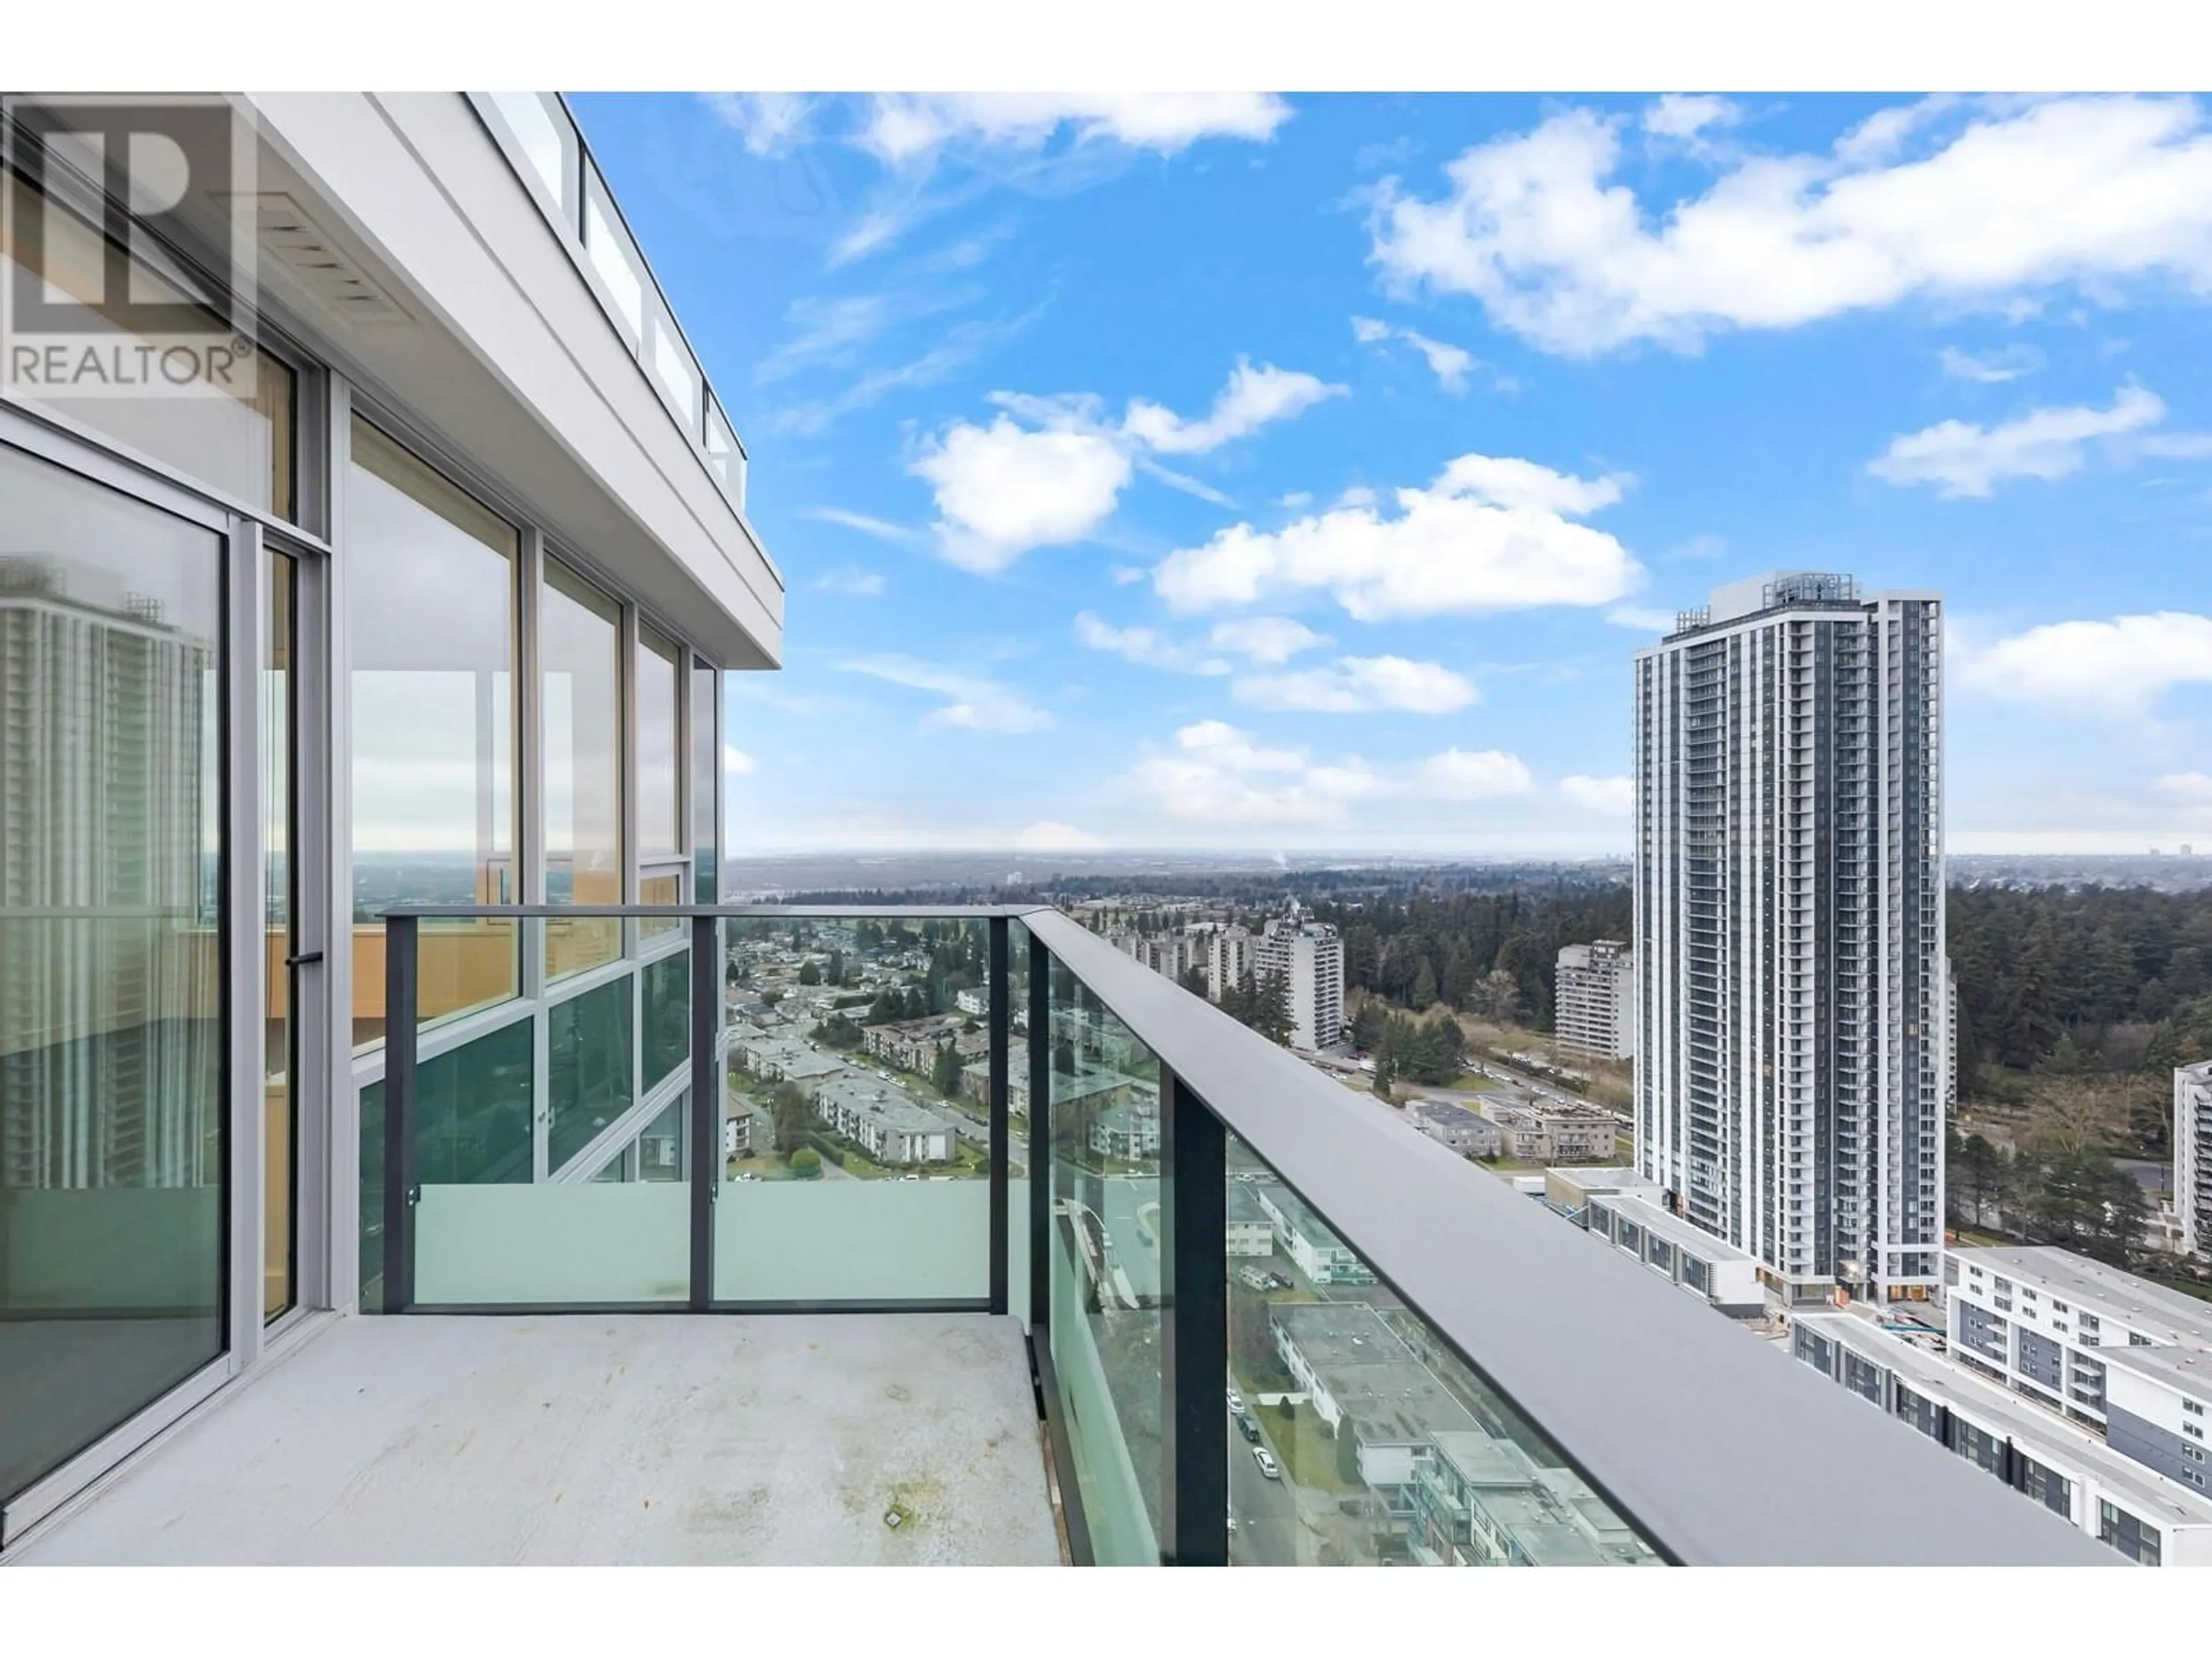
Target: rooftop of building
(892, 1107)
(1678, 1231)
(1244, 1206)
(1445, 1112)
(2189, 1369)
(1551, 1514)
(2170, 1315)
(2043, 1434)
(1392, 1398)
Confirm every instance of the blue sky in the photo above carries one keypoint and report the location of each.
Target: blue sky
(1243, 471)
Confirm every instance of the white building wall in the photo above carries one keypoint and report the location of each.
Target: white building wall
(2192, 1154)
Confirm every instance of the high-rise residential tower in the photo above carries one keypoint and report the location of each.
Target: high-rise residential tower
(2192, 1154)
(1594, 1007)
(1792, 991)
(1309, 956)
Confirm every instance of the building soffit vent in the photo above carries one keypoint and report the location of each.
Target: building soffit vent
(288, 236)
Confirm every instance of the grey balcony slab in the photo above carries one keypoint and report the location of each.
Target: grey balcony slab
(586, 1438)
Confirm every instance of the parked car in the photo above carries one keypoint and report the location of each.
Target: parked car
(1248, 1428)
(1279, 1281)
(1268, 1466)
(1235, 1402)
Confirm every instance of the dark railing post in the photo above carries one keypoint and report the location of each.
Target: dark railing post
(1039, 1143)
(400, 940)
(706, 1104)
(1194, 1331)
(1002, 1019)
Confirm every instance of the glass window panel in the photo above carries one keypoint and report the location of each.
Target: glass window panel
(372, 1197)
(673, 368)
(547, 142)
(1357, 1437)
(706, 785)
(667, 1015)
(279, 1139)
(663, 886)
(237, 437)
(613, 255)
(660, 1145)
(659, 791)
(472, 1112)
(855, 1134)
(1107, 1191)
(723, 452)
(431, 601)
(589, 1066)
(579, 634)
(112, 1126)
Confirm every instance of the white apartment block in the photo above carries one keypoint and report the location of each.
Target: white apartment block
(1594, 1006)
(2105, 1492)
(2046, 1323)
(1228, 958)
(1793, 1009)
(1310, 957)
(2192, 1154)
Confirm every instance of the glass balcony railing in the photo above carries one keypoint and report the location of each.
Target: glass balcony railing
(543, 142)
(1269, 1326)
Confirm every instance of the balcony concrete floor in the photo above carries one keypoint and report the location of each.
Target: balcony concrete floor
(587, 1438)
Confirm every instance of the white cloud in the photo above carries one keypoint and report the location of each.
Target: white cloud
(1215, 774)
(1991, 368)
(903, 127)
(1295, 499)
(1356, 495)
(1490, 534)
(856, 583)
(1003, 490)
(1046, 836)
(2178, 446)
(958, 347)
(1264, 638)
(979, 704)
(1615, 796)
(1124, 574)
(1960, 458)
(736, 762)
(1644, 618)
(1703, 545)
(827, 330)
(1683, 115)
(1049, 469)
(882, 529)
(769, 122)
(2117, 667)
(2021, 197)
(1144, 646)
(1183, 481)
(1253, 398)
(1450, 364)
(1360, 685)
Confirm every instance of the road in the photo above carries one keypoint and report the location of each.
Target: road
(1268, 1531)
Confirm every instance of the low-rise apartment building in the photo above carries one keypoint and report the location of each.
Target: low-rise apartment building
(1679, 1251)
(884, 1122)
(912, 1044)
(1322, 1256)
(2044, 1321)
(1251, 1230)
(1450, 1124)
(1553, 1134)
(1129, 1130)
(2112, 1497)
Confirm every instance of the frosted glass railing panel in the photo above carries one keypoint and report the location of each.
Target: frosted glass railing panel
(842, 1240)
(546, 1245)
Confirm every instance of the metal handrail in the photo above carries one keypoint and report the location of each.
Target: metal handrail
(1714, 1447)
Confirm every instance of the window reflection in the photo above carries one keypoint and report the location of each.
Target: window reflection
(111, 1183)
(581, 646)
(431, 598)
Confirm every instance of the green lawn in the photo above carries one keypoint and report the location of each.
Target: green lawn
(1306, 1448)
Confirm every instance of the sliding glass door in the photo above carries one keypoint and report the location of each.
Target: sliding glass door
(113, 1001)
